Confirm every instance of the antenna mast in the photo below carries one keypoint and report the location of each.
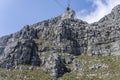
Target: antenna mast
(68, 4)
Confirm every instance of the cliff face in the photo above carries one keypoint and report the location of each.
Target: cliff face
(19, 48)
(105, 34)
(50, 42)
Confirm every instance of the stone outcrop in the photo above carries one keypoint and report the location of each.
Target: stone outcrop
(19, 48)
(55, 65)
(68, 14)
(66, 37)
(103, 36)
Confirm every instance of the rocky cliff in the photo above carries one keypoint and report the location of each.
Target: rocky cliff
(55, 42)
(104, 37)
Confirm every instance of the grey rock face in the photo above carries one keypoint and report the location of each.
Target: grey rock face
(68, 14)
(103, 36)
(20, 52)
(3, 43)
(19, 48)
(61, 35)
(68, 35)
(113, 16)
(54, 65)
(26, 33)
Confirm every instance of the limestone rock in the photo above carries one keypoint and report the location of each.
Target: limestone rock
(54, 39)
(19, 48)
(104, 38)
(68, 14)
(54, 65)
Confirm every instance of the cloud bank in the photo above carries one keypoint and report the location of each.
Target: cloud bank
(101, 8)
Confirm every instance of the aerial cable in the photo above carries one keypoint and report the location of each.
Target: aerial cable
(63, 7)
(68, 3)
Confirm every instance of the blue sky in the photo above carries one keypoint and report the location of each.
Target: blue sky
(15, 14)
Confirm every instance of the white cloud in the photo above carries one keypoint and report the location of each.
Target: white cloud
(101, 9)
